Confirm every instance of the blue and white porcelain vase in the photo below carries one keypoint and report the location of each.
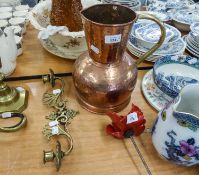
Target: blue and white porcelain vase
(175, 133)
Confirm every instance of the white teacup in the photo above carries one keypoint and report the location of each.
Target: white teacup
(19, 21)
(22, 14)
(5, 9)
(5, 15)
(17, 30)
(22, 7)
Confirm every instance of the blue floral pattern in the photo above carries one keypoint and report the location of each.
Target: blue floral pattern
(184, 152)
(187, 118)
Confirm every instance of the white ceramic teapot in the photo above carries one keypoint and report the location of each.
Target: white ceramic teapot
(8, 52)
(175, 133)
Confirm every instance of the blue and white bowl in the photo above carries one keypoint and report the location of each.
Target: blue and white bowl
(172, 73)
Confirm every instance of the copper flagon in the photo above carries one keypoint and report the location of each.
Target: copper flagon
(105, 75)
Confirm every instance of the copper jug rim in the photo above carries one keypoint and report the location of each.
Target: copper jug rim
(109, 25)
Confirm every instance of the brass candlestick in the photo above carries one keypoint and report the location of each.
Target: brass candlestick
(12, 99)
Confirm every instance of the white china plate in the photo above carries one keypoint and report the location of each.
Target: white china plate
(152, 93)
(50, 47)
(137, 53)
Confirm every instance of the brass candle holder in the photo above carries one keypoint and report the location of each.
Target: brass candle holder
(59, 120)
(12, 99)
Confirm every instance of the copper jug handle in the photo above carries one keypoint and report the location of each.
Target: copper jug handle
(161, 40)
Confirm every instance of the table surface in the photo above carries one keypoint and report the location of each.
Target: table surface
(95, 152)
(36, 60)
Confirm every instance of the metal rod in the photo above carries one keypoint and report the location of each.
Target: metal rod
(31, 77)
(140, 155)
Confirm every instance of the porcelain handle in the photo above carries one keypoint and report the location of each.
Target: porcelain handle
(161, 40)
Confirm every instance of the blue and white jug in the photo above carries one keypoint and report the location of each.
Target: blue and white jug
(175, 133)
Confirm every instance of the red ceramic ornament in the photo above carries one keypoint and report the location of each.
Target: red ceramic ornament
(120, 128)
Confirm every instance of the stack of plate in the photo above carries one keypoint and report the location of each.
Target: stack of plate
(16, 19)
(172, 8)
(192, 40)
(145, 34)
(132, 4)
(165, 5)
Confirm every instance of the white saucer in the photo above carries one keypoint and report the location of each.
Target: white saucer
(50, 47)
(152, 93)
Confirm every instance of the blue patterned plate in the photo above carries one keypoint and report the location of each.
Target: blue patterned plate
(151, 33)
(172, 73)
(186, 16)
(146, 23)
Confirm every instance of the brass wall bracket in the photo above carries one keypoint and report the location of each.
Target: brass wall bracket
(59, 120)
(52, 99)
(49, 132)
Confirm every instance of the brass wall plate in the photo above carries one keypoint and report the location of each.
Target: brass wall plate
(12, 99)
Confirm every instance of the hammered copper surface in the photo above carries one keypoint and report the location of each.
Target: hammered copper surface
(103, 21)
(102, 77)
(104, 87)
(67, 13)
(105, 76)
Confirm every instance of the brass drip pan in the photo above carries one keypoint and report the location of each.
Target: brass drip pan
(12, 99)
